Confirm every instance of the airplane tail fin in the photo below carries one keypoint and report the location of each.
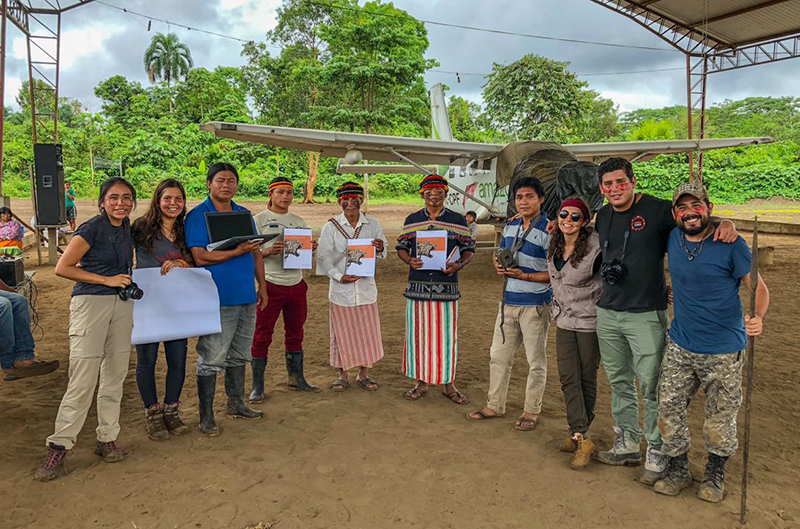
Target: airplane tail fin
(440, 120)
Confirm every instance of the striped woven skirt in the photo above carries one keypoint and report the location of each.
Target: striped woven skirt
(355, 336)
(431, 348)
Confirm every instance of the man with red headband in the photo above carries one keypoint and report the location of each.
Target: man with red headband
(354, 322)
(431, 345)
(286, 292)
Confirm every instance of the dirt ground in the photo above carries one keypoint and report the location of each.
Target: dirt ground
(362, 459)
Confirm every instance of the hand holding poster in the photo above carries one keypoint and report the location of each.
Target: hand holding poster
(432, 249)
(297, 249)
(360, 258)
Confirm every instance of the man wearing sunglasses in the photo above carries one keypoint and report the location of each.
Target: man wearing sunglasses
(632, 312)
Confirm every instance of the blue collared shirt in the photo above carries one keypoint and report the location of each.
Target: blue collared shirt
(235, 278)
(532, 258)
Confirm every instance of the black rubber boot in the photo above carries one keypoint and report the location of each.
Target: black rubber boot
(294, 365)
(676, 478)
(206, 387)
(259, 365)
(234, 389)
(713, 487)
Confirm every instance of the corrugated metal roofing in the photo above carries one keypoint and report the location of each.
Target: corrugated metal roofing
(733, 23)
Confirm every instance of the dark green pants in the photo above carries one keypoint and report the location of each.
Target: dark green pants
(578, 356)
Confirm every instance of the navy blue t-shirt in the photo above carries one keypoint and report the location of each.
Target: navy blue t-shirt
(235, 278)
(708, 308)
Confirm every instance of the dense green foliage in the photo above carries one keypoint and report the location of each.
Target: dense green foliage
(352, 67)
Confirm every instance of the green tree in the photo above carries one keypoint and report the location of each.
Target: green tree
(118, 96)
(167, 58)
(536, 98)
(210, 96)
(470, 124)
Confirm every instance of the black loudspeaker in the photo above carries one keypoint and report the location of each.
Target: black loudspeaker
(49, 176)
(12, 271)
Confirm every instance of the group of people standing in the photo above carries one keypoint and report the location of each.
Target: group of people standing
(604, 288)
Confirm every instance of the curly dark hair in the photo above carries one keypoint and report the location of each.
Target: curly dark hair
(147, 228)
(615, 164)
(557, 240)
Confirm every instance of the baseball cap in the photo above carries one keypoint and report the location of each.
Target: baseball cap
(694, 189)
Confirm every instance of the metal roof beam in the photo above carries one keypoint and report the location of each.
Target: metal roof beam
(737, 13)
(762, 53)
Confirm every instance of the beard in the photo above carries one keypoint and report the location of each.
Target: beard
(693, 231)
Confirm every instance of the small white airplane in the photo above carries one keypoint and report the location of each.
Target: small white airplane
(479, 174)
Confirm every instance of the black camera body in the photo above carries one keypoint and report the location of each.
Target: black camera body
(506, 258)
(132, 291)
(613, 271)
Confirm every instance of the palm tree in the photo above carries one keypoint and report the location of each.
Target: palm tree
(167, 58)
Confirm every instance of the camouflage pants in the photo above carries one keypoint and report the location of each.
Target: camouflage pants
(682, 374)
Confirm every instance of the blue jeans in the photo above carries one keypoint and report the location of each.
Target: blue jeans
(147, 356)
(16, 340)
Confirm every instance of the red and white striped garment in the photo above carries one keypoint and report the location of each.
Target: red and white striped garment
(431, 348)
(355, 336)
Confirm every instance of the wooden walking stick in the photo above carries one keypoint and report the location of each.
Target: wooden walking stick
(751, 349)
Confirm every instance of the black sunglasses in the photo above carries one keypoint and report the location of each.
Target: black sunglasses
(576, 217)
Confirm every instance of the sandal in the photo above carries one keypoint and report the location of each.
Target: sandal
(339, 385)
(482, 415)
(36, 369)
(457, 397)
(526, 424)
(367, 383)
(414, 393)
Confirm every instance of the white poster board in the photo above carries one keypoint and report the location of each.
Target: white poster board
(360, 258)
(297, 249)
(182, 304)
(432, 249)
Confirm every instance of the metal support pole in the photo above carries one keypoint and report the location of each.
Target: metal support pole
(696, 78)
(2, 83)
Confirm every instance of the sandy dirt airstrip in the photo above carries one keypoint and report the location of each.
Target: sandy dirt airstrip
(363, 459)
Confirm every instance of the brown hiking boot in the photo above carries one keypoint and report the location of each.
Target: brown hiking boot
(109, 451)
(172, 419)
(567, 445)
(584, 452)
(156, 429)
(52, 464)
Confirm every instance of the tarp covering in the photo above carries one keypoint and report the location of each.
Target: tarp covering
(577, 179)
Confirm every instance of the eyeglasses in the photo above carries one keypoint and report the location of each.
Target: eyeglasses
(576, 217)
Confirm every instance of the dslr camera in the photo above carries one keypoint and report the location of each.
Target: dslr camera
(132, 291)
(506, 258)
(613, 271)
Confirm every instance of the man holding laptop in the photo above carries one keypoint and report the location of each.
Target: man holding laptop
(233, 271)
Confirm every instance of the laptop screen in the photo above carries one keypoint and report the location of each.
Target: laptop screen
(227, 224)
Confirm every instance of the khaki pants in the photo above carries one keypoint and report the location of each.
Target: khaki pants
(524, 325)
(99, 347)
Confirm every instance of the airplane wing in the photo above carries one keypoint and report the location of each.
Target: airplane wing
(639, 151)
(371, 146)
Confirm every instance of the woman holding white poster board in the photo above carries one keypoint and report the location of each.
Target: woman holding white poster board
(99, 259)
(159, 240)
(348, 247)
(428, 237)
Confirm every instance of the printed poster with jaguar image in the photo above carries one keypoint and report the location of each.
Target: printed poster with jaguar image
(432, 249)
(296, 249)
(360, 258)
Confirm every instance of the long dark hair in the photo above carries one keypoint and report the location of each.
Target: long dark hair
(557, 241)
(147, 228)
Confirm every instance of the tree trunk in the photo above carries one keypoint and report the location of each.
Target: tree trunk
(311, 182)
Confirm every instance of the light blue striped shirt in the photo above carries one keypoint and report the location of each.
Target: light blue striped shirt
(531, 258)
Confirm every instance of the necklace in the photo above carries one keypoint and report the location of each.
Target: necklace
(692, 253)
(170, 235)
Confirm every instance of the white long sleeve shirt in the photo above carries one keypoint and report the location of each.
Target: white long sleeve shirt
(331, 260)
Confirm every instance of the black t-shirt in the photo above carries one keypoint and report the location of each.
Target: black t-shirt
(649, 222)
(110, 253)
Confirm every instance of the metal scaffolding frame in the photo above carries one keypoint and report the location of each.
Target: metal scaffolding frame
(707, 51)
(42, 29)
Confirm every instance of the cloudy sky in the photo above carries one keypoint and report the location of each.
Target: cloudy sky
(100, 41)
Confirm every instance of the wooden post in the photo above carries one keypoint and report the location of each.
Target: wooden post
(751, 349)
(365, 207)
(52, 246)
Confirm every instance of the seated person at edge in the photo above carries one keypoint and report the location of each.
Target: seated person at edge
(524, 311)
(159, 241)
(235, 273)
(11, 232)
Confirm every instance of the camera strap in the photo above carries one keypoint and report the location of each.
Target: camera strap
(518, 242)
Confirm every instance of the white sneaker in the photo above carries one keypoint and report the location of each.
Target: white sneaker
(655, 466)
(624, 451)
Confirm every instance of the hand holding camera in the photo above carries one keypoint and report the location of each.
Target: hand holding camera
(613, 271)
